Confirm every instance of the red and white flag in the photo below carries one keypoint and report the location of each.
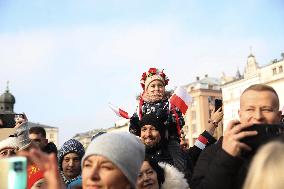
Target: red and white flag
(119, 111)
(181, 99)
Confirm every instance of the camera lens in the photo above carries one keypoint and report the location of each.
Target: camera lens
(18, 166)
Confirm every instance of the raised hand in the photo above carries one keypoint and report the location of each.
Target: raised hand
(232, 136)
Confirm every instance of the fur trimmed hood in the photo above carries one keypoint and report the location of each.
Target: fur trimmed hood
(174, 179)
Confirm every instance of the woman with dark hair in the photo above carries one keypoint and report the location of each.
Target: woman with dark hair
(154, 175)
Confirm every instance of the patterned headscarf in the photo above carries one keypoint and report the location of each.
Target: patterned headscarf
(70, 146)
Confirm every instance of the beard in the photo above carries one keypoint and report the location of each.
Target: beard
(152, 147)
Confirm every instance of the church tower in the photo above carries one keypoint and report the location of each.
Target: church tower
(252, 67)
(7, 101)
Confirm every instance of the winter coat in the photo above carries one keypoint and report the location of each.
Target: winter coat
(171, 153)
(50, 148)
(216, 169)
(75, 183)
(174, 179)
(172, 117)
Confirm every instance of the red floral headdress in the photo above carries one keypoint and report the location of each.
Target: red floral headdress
(151, 75)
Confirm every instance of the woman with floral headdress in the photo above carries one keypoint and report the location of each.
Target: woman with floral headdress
(155, 99)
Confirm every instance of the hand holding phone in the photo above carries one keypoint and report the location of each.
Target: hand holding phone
(218, 104)
(9, 120)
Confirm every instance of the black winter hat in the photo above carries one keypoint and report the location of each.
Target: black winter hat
(154, 120)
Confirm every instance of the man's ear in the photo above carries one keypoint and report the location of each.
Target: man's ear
(45, 141)
(280, 116)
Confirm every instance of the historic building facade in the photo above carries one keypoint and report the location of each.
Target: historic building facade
(271, 74)
(203, 91)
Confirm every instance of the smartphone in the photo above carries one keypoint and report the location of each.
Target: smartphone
(218, 104)
(8, 120)
(13, 173)
(265, 133)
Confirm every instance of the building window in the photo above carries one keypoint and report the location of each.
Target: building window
(280, 69)
(274, 71)
(193, 115)
(210, 99)
(193, 101)
(193, 128)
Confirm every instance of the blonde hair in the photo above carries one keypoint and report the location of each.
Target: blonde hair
(263, 87)
(267, 168)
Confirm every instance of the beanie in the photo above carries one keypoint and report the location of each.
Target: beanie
(123, 149)
(152, 75)
(70, 146)
(154, 120)
(10, 142)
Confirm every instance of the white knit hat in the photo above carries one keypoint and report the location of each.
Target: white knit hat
(152, 75)
(10, 142)
(123, 149)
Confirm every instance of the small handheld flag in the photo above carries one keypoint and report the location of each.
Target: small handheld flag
(181, 99)
(119, 112)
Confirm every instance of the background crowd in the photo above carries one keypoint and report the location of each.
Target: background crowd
(150, 156)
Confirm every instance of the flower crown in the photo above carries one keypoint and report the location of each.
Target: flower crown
(153, 72)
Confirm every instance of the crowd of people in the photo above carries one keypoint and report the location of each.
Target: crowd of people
(150, 156)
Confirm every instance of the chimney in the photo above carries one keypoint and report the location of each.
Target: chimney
(197, 78)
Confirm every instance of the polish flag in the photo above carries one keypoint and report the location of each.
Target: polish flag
(181, 99)
(119, 112)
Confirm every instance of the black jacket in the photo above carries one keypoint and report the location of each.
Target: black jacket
(171, 153)
(216, 169)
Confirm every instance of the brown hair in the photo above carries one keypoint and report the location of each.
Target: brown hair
(262, 87)
(38, 130)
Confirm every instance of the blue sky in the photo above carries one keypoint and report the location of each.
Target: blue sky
(66, 60)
